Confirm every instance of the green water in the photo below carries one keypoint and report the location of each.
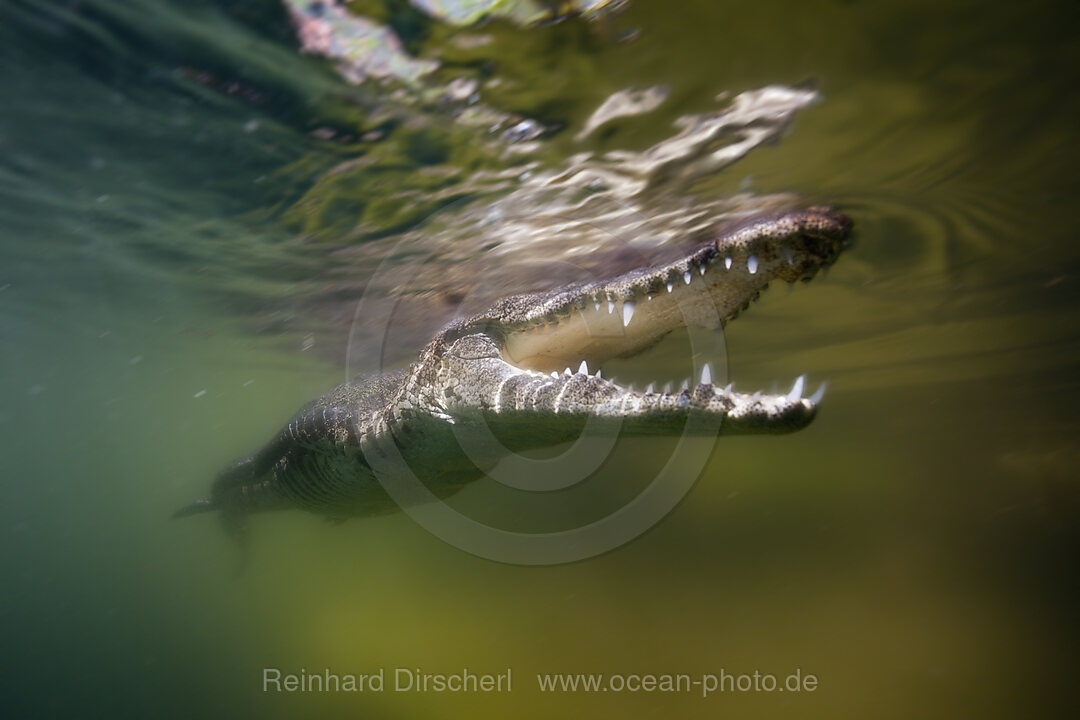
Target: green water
(162, 312)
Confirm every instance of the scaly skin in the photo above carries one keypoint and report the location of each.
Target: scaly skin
(502, 381)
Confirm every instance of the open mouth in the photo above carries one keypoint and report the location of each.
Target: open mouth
(558, 343)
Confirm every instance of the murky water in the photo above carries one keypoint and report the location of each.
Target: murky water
(184, 240)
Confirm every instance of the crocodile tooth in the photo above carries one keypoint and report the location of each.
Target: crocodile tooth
(584, 368)
(728, 388)
(627, 312)
(650, 388)
(670, 287)
(701, 268)
(727, 262)
(685, 384)
(554, 374)
(818, 394)
(751, 264)
(796, 390)
(610, 306)
(597, 302)
(567, 371)
(686, 277)
(788, 255)
(667, 388)
(706, 375)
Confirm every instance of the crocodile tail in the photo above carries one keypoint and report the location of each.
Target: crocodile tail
(201, 505)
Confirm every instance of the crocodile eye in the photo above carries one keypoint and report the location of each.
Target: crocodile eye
(474, 347)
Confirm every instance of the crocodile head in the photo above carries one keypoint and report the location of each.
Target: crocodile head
(529, 369)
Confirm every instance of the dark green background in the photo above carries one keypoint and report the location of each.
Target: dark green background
(915, 548)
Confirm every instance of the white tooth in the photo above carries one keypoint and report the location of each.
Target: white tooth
(651, 388)
(727, 262)
(627, 312)
(648, 297)
(610, 306)
(701, 268)
(788, 255)
(670, 287)
(706, 375)
(567, 371)
(685, 384)
(818, 394)
(597, 306)
(728, 387)
(584, 368)
(686, 277)
(554, 374)
(667, 388)
(796, 390)
(751, 264)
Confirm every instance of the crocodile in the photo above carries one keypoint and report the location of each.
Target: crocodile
(526, 374)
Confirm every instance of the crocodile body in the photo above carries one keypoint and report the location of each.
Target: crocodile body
(517, 377)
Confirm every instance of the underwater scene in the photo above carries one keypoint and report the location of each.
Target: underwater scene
(532, 359)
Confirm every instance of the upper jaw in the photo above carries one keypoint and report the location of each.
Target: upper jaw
(705, 288)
